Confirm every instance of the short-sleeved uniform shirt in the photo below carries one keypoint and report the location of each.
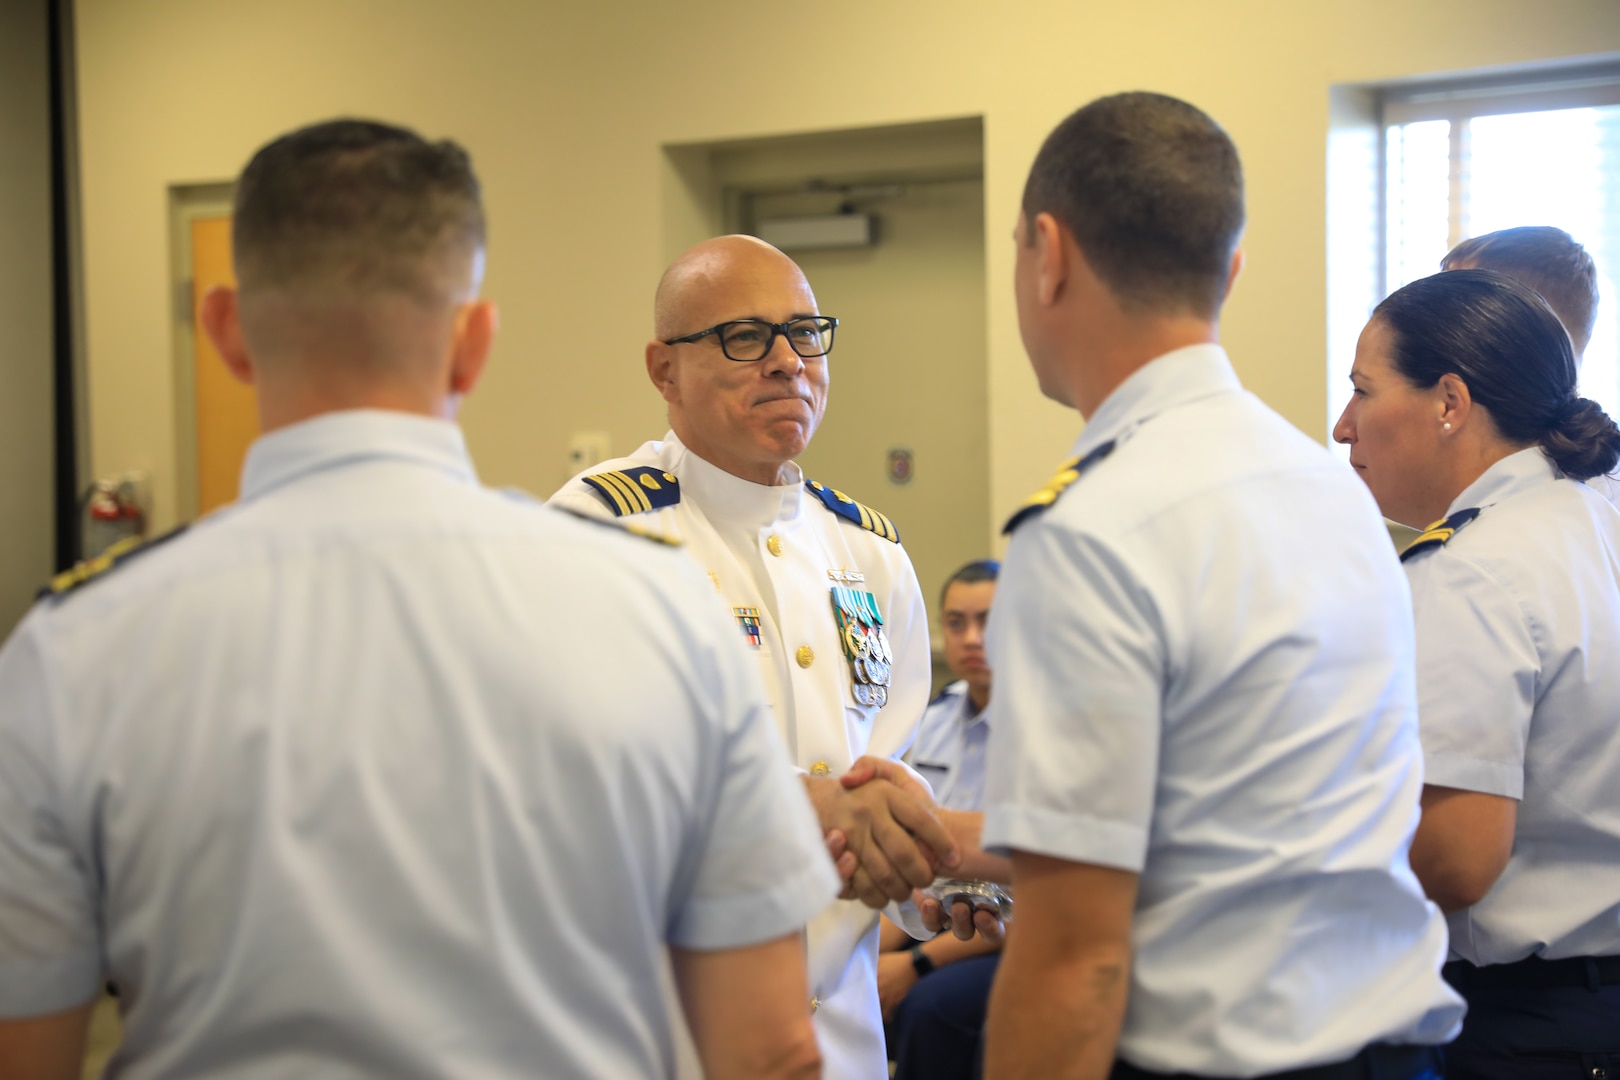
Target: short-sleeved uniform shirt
(775, 554)
(1518, 671)
(1203, 675)
(950, 748)
(381, 773)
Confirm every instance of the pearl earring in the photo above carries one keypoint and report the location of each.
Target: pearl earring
(1446, 425)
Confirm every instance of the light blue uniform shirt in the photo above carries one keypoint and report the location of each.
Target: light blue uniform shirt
(950, 747)
(381, 773)
(1203, 658)
(1518, 652)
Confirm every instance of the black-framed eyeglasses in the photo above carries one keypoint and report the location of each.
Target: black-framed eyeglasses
(752, 339)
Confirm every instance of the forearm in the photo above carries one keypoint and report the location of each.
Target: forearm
(948, 949)
(891, 936)
(1055, 1018)
(965, 827)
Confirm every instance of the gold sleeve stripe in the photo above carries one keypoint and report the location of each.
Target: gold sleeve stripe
(866, 518)
(889, 531)
(630, 491)
(603, 484)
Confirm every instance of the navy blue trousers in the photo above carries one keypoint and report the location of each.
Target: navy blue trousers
(934, 1033)
(1537, 1033)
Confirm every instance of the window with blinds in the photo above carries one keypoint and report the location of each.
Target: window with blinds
(1470, 158)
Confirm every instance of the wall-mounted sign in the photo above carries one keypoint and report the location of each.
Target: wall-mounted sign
(901, 465)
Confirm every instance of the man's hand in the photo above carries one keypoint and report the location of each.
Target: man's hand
(963, 921)
(844, 860)
(894, 835)
(896, 975)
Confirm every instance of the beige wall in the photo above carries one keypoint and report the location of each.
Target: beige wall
(26, 426)
(566, 107)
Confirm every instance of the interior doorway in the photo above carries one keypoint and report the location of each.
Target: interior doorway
(216, 420)
(907, 425)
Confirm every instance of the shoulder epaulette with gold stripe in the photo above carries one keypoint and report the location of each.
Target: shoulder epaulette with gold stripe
(636, 491)
(1067, 474)
(623, 526)
(91, 569)
(847, 508)
(1438, 533)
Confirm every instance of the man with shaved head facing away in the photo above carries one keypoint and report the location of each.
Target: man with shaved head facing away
(820, 590)
(346, 780)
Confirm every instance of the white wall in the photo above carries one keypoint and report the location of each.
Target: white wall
(567, 107)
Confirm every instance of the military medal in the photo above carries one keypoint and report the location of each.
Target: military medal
(866, 646)
(748, 619)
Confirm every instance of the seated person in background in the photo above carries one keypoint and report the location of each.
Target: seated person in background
(347, 779)
(934, 992)
(1554, 265)
(1465, 413)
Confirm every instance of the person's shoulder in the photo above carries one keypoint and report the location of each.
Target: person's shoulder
(638, 483)
(852, 511)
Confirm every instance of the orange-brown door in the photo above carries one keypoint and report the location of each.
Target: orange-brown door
(227, 421)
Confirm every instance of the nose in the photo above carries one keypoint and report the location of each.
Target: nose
(781, 359)
(1344, 430)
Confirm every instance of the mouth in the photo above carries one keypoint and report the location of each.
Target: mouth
(803, 398)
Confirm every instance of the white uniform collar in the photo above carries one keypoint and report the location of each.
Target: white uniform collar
(1176, 378)
(340, 438)
(1519, 470)
(729, 500)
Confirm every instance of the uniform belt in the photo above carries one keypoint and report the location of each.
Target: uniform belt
(1380, 1061)
(1534, 973)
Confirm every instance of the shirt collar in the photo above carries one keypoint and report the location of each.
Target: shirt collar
(731, 500)
(1166, 382)
(341, 438)
(1519, 470)
(964, 705)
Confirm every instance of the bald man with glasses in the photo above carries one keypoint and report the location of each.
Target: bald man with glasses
(821, 590)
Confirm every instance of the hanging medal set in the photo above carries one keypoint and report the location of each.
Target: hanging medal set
(866, 646)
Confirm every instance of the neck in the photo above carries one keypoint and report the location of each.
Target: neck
(284, 402)
(1471, 455)
(1098, 362)
(980, 696)
(766, 473)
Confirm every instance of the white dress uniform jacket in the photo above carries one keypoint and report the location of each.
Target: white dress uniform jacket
(950, 748)
(1518, 654)
(773, 554)
(381, 773)
(1203, 675)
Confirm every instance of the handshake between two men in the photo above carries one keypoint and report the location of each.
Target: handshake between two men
(889, 839)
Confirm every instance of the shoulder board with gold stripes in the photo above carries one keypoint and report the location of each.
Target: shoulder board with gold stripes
(1067, 473)
(636, 491)
(91, 569)
(859, 513)
(624, 527)
(1437, 534)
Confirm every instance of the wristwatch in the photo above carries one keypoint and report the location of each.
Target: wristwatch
(919, 961)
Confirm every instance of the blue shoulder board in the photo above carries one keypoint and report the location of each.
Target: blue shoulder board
(91, 569)
(859, 513)
(1438, 533)
(636, 491)
(1067, 473)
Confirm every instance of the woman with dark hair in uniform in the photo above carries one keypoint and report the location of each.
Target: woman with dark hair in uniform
(1465, 414)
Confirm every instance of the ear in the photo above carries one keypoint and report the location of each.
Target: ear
(661, 370)
(222, 322)
(1454, 403)
(1051, 259)
(1232, 273)
(470, 342)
